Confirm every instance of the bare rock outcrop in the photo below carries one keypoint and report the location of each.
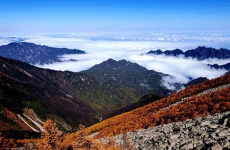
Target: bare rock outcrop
(211, 132)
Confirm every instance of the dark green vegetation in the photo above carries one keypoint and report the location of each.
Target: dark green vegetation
(130, 80)
(35, 54)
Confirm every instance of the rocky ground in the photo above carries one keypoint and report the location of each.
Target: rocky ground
(211, 132)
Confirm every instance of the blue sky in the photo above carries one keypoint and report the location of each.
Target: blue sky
(71, 16)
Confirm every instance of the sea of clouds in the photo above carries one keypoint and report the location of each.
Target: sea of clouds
(99, 50)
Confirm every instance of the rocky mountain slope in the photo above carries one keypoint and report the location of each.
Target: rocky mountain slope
(35, 54)
(195, 102)
(199, 53)
(211, 132)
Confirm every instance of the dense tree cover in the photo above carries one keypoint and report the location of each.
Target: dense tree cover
(162, 111)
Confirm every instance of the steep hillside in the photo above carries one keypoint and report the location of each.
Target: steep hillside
(199, 53)
(147, 99)
(200, 100)
(70, 98)
(128, 79)
(35, 54)
(47, 92)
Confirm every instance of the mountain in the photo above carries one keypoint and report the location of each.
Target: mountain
(184, 117)
(35, 54)
(225, 66)
(130, 80)
(199, 53)
(45, 93)
(196, 81)
(67, 97)
(163, 120)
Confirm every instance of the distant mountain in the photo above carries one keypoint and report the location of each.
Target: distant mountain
(128, 79)
(196, 81)
(225, 66)
(199, 53)
(35, 54)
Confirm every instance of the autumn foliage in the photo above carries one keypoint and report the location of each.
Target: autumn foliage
(51, 137)
(171, 109)
(16, 123)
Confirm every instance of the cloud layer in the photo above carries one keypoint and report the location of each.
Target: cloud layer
(98, 51)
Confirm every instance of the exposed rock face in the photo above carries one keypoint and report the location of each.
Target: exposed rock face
(211, 132)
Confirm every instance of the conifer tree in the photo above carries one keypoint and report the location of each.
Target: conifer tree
(51, 137)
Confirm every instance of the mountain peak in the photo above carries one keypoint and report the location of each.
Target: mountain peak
(122, 64)
(127, 77)
(110, 61)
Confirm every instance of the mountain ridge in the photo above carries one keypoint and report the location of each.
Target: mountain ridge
(35, 54)
(24, 86)
(200, 53)
(225, 66)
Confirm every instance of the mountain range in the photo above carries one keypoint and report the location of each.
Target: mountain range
(199, 53)
(71, 98)
(111, 99)
(35, 54)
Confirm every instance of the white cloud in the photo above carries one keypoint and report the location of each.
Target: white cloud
(179, 67)
(98, 51)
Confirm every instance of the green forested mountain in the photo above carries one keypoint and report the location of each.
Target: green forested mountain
(127, 78)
